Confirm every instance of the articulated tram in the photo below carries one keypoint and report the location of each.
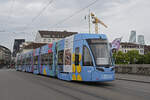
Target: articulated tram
(80, 57)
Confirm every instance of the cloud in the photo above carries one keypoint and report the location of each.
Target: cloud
(121, 16)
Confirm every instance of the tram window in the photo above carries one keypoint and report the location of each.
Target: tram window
(50, 60)
(87, 59)
(60, 57)
(77, 50)
(23, 61)
(18, 62)
(35, 60)
(42, 59)
(68, 57)
(28, 60)
(45, 59)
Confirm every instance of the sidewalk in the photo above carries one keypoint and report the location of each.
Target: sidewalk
(131, 77)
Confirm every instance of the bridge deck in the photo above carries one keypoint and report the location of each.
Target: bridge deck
(25, 86)
(132, 77)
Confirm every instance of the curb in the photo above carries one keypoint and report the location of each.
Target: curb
(132, 80)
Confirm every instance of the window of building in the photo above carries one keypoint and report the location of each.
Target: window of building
(87, 59)
(49, 40)
(125, 51)
(141, 51)
(53, 36)
(44, 40)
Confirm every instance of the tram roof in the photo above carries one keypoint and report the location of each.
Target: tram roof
(89, 36)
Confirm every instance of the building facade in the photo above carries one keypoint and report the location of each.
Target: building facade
(125, 47)
(51, 36)
(146, 49)
(5, 55)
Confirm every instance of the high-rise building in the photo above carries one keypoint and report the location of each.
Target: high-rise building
(141, 39)
(132, 38)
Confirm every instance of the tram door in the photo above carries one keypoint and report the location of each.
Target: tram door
(77, 61)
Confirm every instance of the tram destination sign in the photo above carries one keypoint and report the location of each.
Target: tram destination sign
(96, 41)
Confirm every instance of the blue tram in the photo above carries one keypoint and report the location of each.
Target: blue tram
(36, 61)
(47, 59)
(29, 61)
(80, 57)
(19, 63)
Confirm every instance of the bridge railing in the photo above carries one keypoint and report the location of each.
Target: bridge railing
(142, 69)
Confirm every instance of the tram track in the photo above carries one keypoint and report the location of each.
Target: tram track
(55, 84)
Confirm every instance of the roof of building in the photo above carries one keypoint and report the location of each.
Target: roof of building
(55, 34)
(131, 45)
(5, 49)
(33, 45)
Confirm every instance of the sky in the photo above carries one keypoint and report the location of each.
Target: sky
(23, 18)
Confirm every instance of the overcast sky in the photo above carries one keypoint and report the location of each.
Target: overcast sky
(121, 16)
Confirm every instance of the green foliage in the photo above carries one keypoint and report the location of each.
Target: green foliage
(121, 58)
(147, 58)
(140, 59)
(131, 57)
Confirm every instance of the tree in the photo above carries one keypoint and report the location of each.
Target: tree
(133, 56)
(121, 58)
(140, 59)
(147, 58)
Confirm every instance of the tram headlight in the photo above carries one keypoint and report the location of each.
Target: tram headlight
(100, 69)
(113, 69)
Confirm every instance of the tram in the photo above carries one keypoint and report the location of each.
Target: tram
(80, 57)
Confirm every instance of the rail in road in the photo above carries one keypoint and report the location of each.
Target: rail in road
(25, 86)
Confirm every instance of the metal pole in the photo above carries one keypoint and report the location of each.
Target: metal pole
(89, 22)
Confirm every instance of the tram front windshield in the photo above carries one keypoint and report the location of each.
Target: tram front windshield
(101, 52)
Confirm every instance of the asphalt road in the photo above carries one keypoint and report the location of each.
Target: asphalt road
(26, 86)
